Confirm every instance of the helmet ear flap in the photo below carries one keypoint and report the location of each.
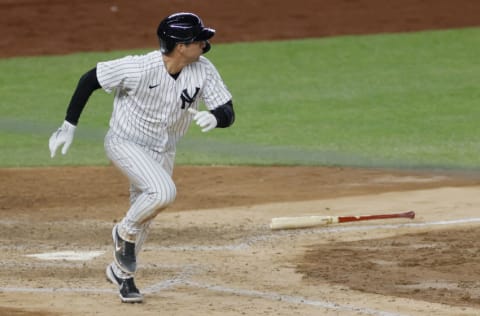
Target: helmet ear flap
(166, 46)
(207, 47)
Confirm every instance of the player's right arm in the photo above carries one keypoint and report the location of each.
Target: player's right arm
(86, 85)
(64, 135)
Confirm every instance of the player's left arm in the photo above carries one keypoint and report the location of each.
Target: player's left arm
(214, 93)
(224, 114)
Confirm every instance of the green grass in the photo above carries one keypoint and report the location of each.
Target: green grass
(398, 100)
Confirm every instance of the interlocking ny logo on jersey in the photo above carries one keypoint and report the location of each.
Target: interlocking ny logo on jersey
(186, 98)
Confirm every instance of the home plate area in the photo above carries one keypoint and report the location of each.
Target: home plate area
(229, 261)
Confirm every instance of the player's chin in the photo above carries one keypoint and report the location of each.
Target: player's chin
(196, 59)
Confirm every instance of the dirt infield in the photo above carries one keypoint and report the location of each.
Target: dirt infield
(212, 252)
(58, 26)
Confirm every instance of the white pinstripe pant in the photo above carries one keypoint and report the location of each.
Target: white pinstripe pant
(151, 186)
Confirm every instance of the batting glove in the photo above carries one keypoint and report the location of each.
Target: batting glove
(63, 135)
(206, 120)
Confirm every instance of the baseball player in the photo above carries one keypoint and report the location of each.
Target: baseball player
(156, 97)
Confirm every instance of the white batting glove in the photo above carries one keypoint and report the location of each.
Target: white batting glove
(63, 135)
(206, 120)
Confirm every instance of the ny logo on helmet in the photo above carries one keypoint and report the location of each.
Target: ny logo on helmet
(186, 98)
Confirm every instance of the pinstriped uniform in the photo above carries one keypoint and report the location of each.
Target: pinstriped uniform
(149, 117)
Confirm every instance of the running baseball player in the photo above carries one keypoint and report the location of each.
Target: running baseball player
(156, 97)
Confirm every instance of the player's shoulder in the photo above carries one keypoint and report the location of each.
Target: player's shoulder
(150, 58)
(203, 65)
(154, 56)
(205, 62)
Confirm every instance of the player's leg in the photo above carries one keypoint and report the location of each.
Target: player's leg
(157, 192)
(143, 233)
(154, 190)
(134, 193)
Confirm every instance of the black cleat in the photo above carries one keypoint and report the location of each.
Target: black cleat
(124, 253)
(128, 291)
(112, 277)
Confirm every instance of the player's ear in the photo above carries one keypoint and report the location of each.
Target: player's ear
(181, 46)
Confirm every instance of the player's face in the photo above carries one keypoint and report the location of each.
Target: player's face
(193, 50)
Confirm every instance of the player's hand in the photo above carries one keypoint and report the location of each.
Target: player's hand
(206, 120)
(63, 135)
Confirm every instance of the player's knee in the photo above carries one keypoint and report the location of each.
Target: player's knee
(163, 197)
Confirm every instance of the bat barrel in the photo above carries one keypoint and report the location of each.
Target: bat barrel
(410, 214)
(343, 219)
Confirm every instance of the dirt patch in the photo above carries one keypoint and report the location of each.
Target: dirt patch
(58, 27)
(22, 312)
(437, 267)
(102, 192)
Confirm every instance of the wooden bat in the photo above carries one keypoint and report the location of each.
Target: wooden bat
(315, 220)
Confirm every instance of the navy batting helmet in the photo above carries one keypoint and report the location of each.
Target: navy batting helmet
(182, 28)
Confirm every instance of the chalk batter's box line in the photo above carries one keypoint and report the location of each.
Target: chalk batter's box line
(250, 241)
(172, 283)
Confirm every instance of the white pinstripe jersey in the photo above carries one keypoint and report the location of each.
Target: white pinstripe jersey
(150, 107)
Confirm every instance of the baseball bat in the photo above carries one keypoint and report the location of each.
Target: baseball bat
(316, 220)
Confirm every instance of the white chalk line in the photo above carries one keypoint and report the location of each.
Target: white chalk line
(55, 290)
(182, 279)
(186, 273)
(272, 296)
(70, 255)
(250, 241)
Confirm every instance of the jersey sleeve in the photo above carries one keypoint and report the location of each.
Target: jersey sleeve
(215, 92)
(123, 74)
